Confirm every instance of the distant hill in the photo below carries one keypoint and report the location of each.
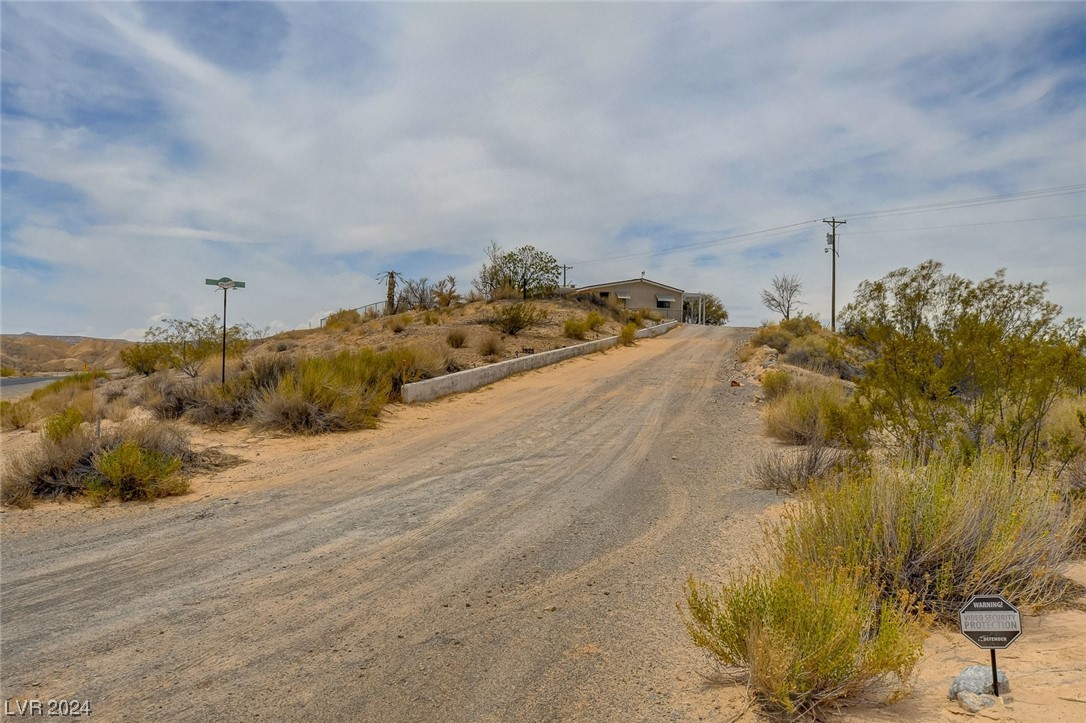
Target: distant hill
(28, 352)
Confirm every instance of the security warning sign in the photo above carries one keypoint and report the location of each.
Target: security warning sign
(990, 622)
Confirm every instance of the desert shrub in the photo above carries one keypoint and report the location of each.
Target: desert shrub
(265, 371)
(960, 366)
(773, 336)
(285, 345)
(775, 383)
(49, 470)
(651, 316)
(514, 318)
(802, 325)
(131, 472)
(490, 345)
(73, 382)
(822, 353)
(429, 318)
(575, 328)
(595, 320)
(169, 398)
(456, 338)
(333, 393)
(1063, 434)
(398, 323)
(807, 413)
(60, 425)
(191, 343)
(371, 314)
(17, 414)
(628, 335)
(412, 364)
(791, 471)
(215, 404)
(146, 358)
(744, 353)
(806, 635)
(66, 466)
(8, 372)
(343, 320)
(943, 531)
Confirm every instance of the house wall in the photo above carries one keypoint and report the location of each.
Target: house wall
(643, 296)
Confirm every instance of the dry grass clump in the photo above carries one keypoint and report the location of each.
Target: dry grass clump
(62, 424)
(595, 320)
(17, 415)
(343, 391)
(628, 335)
(943, 532)
(131, 472)
(791, 471)
(806, 636)
(343, 320)
(456, 338)
(575, 328)
(81, 463)
(169, 397)
(396, 324)
(775, 383)
(814, 410)
(8, 372)
(490, 345)
(514, 318)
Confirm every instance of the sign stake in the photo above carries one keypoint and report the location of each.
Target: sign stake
(991, 622)
(225, 283)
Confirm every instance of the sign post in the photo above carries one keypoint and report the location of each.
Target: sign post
(991, 623)
(225, 283)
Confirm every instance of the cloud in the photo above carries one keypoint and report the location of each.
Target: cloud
(306, 147)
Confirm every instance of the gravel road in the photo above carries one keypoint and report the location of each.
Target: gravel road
(515, 553)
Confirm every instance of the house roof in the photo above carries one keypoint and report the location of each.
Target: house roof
(613, 284)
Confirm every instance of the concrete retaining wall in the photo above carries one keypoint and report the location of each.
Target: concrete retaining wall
(470, 379)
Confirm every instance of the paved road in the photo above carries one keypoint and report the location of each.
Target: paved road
(16, 387)
(516, 554)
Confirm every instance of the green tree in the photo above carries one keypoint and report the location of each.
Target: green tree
(965, 365)
(715, 313)
(527, 269)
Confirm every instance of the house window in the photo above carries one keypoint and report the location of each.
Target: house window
(664, 302)
(604, 294)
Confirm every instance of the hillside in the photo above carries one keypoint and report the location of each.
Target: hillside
(29, 353)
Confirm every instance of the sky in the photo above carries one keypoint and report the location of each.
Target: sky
(306, 147)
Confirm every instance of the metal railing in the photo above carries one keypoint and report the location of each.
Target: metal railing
(377, 307)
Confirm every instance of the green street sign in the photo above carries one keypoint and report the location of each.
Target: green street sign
(225, 283)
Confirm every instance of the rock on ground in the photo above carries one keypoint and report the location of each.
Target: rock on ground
(978, 679)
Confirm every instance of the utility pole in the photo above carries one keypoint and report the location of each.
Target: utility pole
(564, 270)
(831, 243)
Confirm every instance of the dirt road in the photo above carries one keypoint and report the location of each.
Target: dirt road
(510, 554)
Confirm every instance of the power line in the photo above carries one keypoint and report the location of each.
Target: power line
(966, 225)
(901, 211)
(971, 202)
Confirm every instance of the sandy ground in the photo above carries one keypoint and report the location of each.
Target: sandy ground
(515, 553)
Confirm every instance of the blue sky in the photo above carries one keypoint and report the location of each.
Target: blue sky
(306, 147)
